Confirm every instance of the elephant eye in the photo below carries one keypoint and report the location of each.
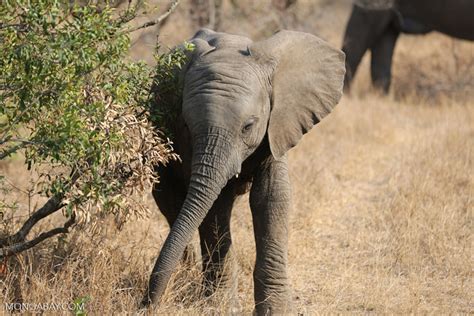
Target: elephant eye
(249, 124)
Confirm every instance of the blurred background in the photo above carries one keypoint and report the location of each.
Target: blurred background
(430, 65)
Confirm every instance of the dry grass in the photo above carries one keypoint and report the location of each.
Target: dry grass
(382, 213)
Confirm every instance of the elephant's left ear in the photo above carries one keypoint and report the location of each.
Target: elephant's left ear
(307, 84)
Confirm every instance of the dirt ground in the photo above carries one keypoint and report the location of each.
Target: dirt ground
(383, 193)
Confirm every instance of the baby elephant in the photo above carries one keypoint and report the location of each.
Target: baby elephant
(244, 105)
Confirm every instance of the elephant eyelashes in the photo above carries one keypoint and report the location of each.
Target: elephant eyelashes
(249, 125)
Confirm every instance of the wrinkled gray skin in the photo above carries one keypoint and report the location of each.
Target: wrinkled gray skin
(245, 104)
(378, 31)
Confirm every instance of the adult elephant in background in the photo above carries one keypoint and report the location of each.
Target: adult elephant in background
(378, 30)
(244, 105)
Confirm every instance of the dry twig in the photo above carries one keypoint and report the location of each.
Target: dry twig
(157, 21)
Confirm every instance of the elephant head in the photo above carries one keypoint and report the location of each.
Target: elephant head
(237, 95)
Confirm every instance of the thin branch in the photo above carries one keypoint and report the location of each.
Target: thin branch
(24, 141)
(22, 144)
(19, 26)
(6, 139)
(131, 12)
(158, 21)
(7, 152)
(13, 123)
(22, 246)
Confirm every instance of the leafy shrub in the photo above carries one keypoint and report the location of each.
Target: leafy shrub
(78, 111)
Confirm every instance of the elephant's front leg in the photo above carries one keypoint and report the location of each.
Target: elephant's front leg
(169, 194)
(219, 267)
(270, 202)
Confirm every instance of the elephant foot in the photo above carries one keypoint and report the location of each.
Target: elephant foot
(274, 308)
(225, 300)
(220, 285)
(273, 299)
(382, 85)
(144, 303)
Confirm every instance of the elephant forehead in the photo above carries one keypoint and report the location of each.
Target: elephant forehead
(216, 91)
(222, 79)
(229, 41)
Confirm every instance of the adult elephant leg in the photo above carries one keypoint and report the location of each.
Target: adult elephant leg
(219, 266)
(356, 42)
(169, 194)
(270, 202)
(363, 29)
(381, 59)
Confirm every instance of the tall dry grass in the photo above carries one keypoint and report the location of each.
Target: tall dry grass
(382, 214)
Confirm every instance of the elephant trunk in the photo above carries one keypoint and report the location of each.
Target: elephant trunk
(212, 166)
